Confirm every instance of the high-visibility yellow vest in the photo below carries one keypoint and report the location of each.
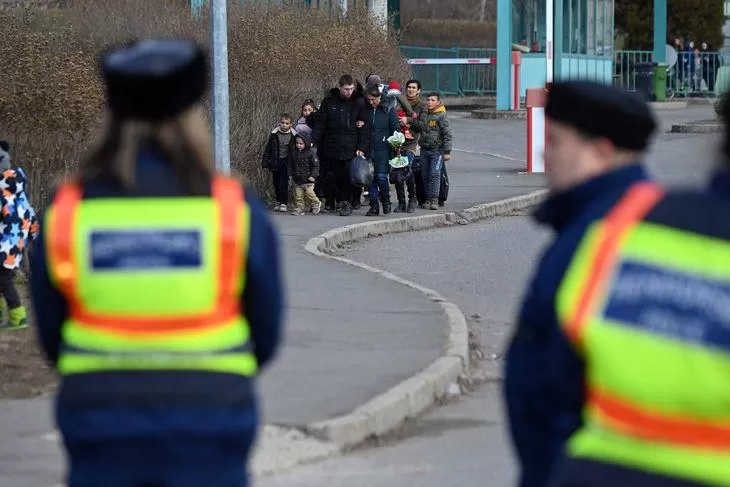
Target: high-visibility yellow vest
(152, 284)
(647, 305)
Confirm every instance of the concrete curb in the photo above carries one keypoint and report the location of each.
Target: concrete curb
(708, 127)
(668, 105)
(494, 114)
(416, 394)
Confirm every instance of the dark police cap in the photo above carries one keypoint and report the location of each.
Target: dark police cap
(154, 78)
(598, 110)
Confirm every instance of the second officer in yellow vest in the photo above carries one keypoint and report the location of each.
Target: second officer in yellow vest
(645, 304)
(157, 288)
(597, 136)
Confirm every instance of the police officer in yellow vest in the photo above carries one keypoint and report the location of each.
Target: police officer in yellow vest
(645, 303)
(597, 136)
(157, 288)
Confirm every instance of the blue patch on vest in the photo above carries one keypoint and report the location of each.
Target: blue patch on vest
(675, 304)
(145, 249)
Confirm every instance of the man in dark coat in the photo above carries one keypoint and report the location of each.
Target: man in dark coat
(341, 138)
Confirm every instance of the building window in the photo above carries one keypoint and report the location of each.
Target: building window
(528, 24)
(587, 27)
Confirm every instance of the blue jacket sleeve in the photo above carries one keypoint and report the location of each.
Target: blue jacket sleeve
(49, 305)
(543, 383)
(264, 293)
(393, 122)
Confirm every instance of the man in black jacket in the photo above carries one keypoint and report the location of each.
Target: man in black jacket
(341, 138)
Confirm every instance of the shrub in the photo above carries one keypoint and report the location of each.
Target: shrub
(51, 103)
(700, 21)
(449, 33)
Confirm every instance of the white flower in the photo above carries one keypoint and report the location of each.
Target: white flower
(397, 139)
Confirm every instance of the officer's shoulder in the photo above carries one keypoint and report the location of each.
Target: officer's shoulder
(702, 212)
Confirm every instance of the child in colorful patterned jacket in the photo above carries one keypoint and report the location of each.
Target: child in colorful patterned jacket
(18, 224)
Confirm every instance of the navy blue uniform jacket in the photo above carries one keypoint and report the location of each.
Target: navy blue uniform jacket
(136, 427)
(543, 383)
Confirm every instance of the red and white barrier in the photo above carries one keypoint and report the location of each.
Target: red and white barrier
(515, 80)
(535, 101)
(477, 60)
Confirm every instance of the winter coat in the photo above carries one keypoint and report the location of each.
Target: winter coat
(271, 156)
(435, 131)
(544, 377)
(396, 100)
(19, 221)
(335, 132)
(419, 113)
(384, 123)
(303, 164)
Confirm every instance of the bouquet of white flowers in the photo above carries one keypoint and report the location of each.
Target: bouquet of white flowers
(396, 142)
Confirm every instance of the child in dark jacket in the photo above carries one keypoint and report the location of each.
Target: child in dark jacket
(304, 170)
(275, 159)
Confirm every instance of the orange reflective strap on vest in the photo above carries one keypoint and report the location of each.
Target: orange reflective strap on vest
(633, 420)
(230, 198)
(631, 208)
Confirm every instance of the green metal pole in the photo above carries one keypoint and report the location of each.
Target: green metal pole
(394, 13)
(504, 52)
(660, 31)
(558, 40)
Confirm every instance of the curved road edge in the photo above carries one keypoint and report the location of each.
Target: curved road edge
(412, 396)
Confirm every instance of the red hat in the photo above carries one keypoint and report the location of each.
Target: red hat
(393, 85)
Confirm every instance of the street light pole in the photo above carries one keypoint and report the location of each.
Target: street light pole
(220, 106)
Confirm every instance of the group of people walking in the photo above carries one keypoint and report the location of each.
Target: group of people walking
(313, 154)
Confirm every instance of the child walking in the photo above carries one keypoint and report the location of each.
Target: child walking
(304, 170)
(20, 225)
(276, 157)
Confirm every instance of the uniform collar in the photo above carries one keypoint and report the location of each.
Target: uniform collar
(561, 208)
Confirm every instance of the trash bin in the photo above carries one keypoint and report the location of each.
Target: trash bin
(660, 82)
(644, 73)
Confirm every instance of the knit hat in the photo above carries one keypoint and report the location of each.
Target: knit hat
(394, 85)
(154, 78)
(373, 79)
(597, 110)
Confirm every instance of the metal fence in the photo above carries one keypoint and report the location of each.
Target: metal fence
(454, 79)
(695, 74)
